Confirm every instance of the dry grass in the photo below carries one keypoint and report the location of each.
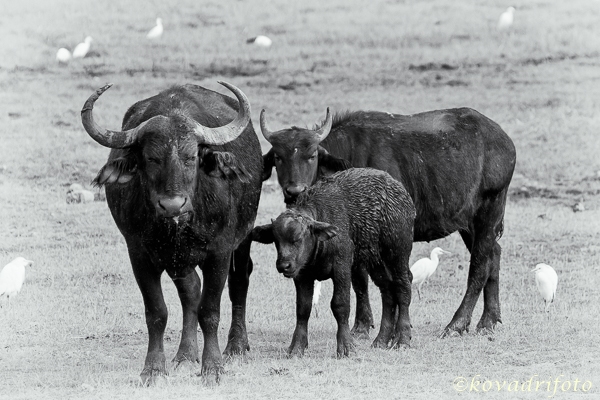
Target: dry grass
(77, 329)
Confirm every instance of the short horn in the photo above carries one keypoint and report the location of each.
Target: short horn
(106, 137)
(324, 130)
(264, 127)
(229, 132)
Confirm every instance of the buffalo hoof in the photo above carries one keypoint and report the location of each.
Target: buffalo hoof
(487, 324)
(185, 365)
(298, 345)
(211, 374)
(380, 343)
(237, 341)
(449, 332)
(456, 328)
(182, 358)
(151, 376)
(296, 351)
(399, 344)
(235, 348)
(344, 347)
(360, 330)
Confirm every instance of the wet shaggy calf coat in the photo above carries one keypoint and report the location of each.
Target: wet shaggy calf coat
(456, 164)
(354, 218)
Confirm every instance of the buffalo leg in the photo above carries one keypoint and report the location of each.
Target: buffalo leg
(401, 291)
(491, 295)
(387, 318)
(304, 293)
(364, 316)
(147, 277)
(214, 271)
(239, 279)
(189, 290)
(484, 271)
(491, 290)
(340, 305)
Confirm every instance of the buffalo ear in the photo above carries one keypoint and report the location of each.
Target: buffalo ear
(119, 170)
(222, 164)
(268, 164)
(329, 164)
(263, 234)
(323, 231)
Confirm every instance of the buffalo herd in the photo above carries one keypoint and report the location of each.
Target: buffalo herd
(183, 182)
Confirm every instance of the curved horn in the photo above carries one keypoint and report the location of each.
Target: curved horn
(107, 138)
(267, 133)
(229, 132)
(324, 130)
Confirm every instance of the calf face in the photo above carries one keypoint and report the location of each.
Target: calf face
(296, 154)
(295, 237)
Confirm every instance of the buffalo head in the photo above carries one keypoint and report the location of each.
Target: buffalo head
(165, 151)
(297, 156)
(296, 237)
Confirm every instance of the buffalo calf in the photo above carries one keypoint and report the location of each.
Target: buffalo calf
(352, 221)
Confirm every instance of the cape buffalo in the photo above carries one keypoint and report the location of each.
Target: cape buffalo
(183, 185)
(456, 165)
(359, 218)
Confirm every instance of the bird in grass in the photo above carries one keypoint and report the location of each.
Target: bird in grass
(506, 19)
(157, 31)
(82, 48)
(260, 41)
(63, 55)
(12, 277)
(316, 296)
(578, 207)
(546, 281)
(425, 267)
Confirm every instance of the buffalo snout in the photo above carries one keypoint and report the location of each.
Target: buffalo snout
(291, 192)
(286, 268)
(169, 207)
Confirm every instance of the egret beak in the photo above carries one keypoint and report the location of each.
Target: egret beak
(445, 252)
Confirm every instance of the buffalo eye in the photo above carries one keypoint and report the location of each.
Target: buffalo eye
(277, 158)
(313, 157)
(153, 160)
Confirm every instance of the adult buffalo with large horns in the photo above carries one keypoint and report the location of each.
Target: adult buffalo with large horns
(183, 183)
(456, 165)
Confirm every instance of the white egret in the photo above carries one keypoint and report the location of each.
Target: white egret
(63, 55)
(506, 19)
(260, 41)
(82, 49)
(316, 296)
(157, 31)
(546, 281)
(12, 277)
(425, 267)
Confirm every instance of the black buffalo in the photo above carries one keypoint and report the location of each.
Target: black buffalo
(183, 185)
(356, 219)
(456, 165)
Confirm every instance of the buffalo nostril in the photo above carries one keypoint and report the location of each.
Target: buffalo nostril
(295, 190)
(282, 267)
(171, 207)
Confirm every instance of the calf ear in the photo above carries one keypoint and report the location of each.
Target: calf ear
(323, 230)
(263, 234)
(268, 164)
(329, 164)
(222, 164)
(120, 170)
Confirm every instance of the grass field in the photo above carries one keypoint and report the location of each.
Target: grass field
(77, 329)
